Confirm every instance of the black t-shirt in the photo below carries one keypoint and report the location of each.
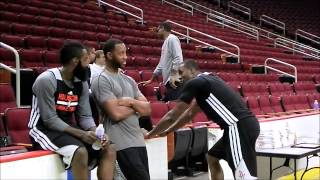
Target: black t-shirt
(217, 100)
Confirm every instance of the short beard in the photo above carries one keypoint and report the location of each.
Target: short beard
(81, 72)
(115, 64)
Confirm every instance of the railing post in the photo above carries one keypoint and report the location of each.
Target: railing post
(266, 67)
(223, 23)
(293, 49)
(142, 18)
(297, 47)
(17, 71)
(124, 11)
(188, 35)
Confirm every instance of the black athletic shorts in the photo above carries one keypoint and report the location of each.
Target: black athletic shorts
(133, 163)
(171, 93)
(65, 145)
(238, 142)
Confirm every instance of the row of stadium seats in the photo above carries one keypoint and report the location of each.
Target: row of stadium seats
(93, 37)
(285, 10)
(59, 18)
(269, 106)
(156, 89)
(256, 89)
(37, 6)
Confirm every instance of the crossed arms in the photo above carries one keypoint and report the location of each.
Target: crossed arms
(122, 108)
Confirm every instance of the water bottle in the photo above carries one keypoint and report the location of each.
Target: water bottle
(100, 135)
(316, 105)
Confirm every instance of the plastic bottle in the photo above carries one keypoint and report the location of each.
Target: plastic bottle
(100, 134)
(316, 105)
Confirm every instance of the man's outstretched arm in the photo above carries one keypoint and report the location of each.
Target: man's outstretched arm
(169, 119)
(185, 117)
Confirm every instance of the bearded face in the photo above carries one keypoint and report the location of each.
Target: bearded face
(115, 62)
(81, 72)
(118, 56)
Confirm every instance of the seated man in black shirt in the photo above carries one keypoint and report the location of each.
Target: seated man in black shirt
(59, 95)
(226, 108)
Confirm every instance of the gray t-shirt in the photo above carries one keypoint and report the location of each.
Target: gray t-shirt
(108, 86)
(171, 57)
(44, 89)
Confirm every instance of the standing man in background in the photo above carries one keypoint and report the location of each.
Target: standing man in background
(94, 70)
(98, 64)
(121, 104)
(171, 57)
(91, 53)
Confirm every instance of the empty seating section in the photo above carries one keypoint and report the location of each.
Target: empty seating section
(7, 97)
(17, 123)
(295, 103)
(253, 104)
(285, 10)
(305, 88)
(277, 89)
(159, 110)
(265, 105)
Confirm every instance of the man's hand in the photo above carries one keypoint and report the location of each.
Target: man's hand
(147, 136)
(145, 132)
(174, 79)
(105, 141)
(144, 83)
(89, 137)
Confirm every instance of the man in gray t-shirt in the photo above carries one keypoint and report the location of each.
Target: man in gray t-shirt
(121, 103)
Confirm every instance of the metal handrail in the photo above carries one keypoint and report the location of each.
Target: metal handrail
(15, 71)
(196, 7)
(100, 2)
(181, 2)
(238, 26)
(262, 32)
(238, 7)
(304, 34)
(265, 18)
(266, 67)
(297, 47)
(187, 35)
